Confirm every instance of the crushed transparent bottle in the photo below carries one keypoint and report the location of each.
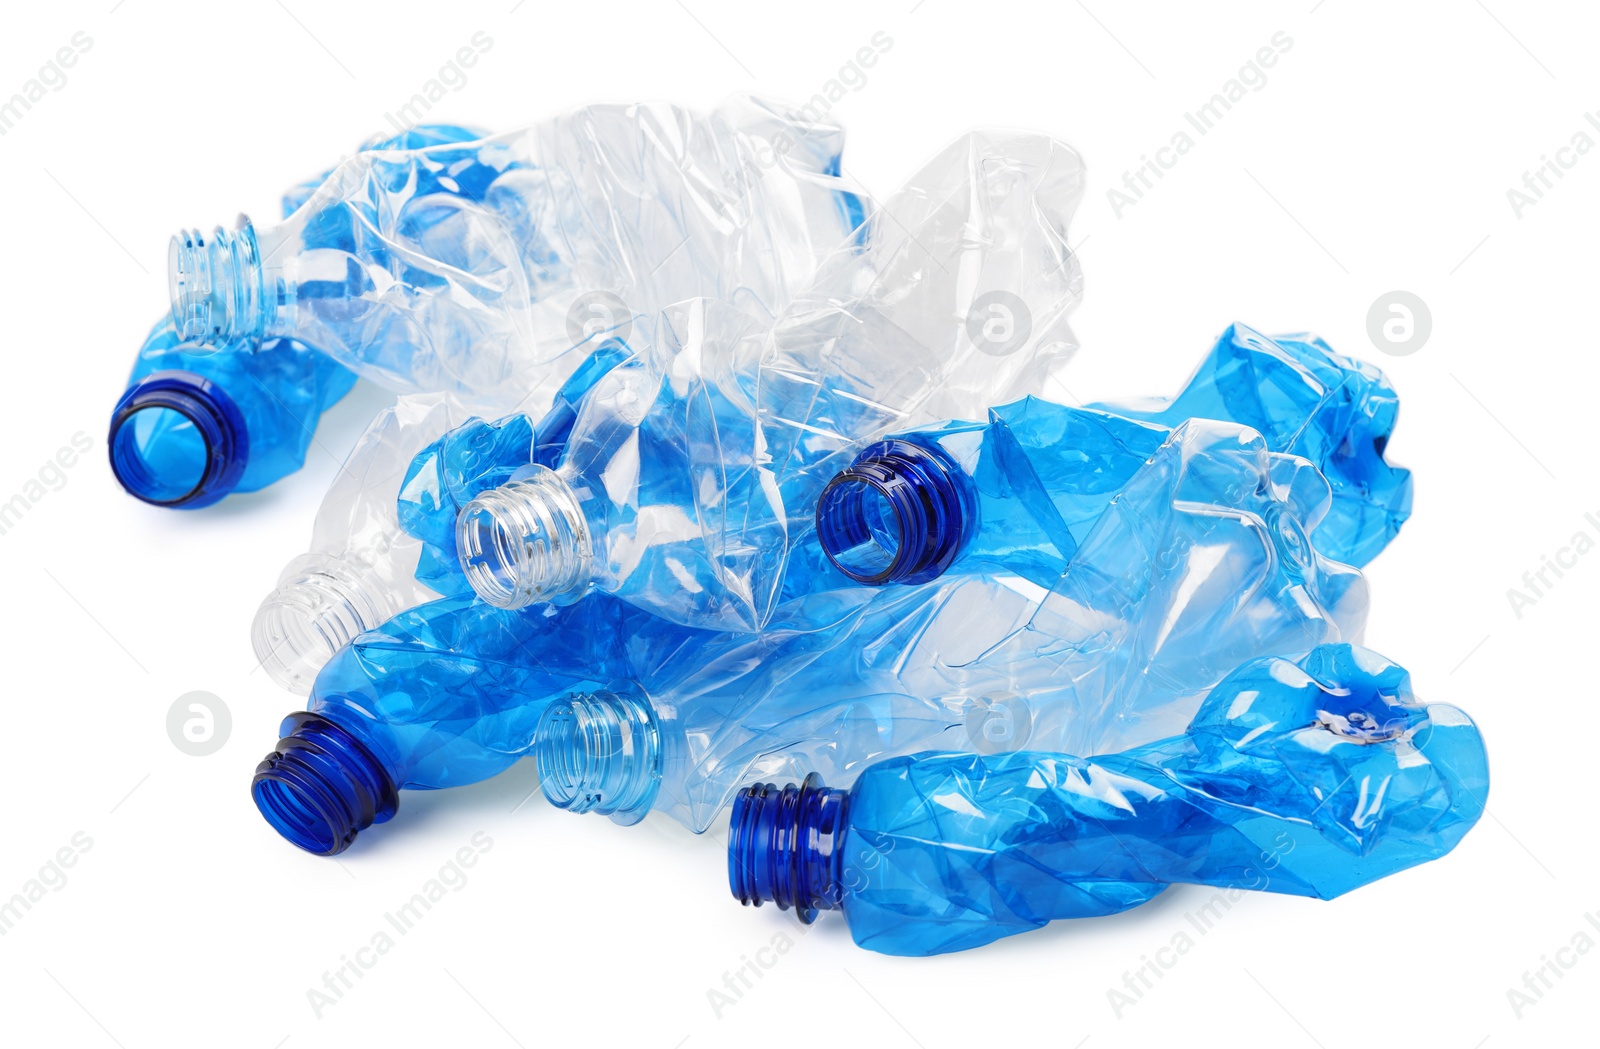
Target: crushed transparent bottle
(504, 260)
(202, 419)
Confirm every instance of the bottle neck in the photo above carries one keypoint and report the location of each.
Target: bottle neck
(178, 440)
(320, 605)
(526, 541)
(321, 787)
(220, 282)
(601, 752)
(784, 846)
(900, 513)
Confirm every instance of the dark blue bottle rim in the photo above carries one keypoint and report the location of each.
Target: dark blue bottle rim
(322, 786)
(215, 417)
(934, 510)
(783, 846)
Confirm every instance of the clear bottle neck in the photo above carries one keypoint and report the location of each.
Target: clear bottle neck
(602, 752)
(320, 605)
(526, 541)
(228, 284)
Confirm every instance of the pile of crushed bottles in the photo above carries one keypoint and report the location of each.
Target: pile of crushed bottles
(708, 473)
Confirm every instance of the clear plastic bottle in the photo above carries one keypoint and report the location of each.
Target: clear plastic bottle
(1018, 492)
(202, 419)
(362, 566)
(1201, 567)
(1201, 563)
(471, 266)
(690, 479)
(1310, 777)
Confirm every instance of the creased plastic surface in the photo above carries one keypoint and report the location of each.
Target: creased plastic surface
(1309, 777)
(1201, 563)
(1334, 410)
(693, 467)
(502, 261)
(1024, 487)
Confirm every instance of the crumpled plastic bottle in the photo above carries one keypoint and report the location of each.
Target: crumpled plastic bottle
(1309, 777)
(200, 420)
(471, 266)
(362, 566)
(1019, 492)
(1200, 564)
(689, 475)
(635, 713)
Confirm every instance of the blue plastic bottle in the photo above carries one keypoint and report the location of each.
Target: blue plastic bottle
(1337, 411)
(200, 420)
(1309, 777)
(1201, 564)
(442, 695)
(471, 266)
(1019, 492)
(689, 476)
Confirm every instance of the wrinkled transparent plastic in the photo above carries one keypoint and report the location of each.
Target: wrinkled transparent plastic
(202, 417)
(689, 475)
(471, 266)
(1201, 563)
(1310, 777)
(363, 567)
(1337, 411)
(1019, 492)
(1199, 566)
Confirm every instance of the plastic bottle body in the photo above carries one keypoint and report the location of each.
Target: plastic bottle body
(468, 266)
(1200, 564)
(442, 695)
(1336, 411)
(1309, 778)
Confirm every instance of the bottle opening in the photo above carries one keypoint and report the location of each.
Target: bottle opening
(600, 752)
(177, 440)
(321, 787)
(901, 513)
(525, 541)
(784, 846)
(867, 536)
(320, 606)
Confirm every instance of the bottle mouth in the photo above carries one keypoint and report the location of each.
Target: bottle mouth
(900, 513)
(177, 440)
(317, 610)
(784, 846)
(215, 282)
(600, 752)
(525, 541)
(321, 787)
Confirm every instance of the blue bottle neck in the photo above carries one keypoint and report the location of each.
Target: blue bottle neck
(900, 513)
(784, 846)
(178, 440)
(601, 752)
(321, 787)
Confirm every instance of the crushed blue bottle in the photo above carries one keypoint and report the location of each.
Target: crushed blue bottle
(202, 419)
(1018, 492)
(1309, 777)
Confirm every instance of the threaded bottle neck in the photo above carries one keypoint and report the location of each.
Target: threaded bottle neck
(178, 440)
(320, 605)
(216, 283)
(901, 513)
(526, 541)
(601, 752)
(784, 846)
(321, 787)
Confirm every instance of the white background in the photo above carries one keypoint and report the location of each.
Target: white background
(1377, 157)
